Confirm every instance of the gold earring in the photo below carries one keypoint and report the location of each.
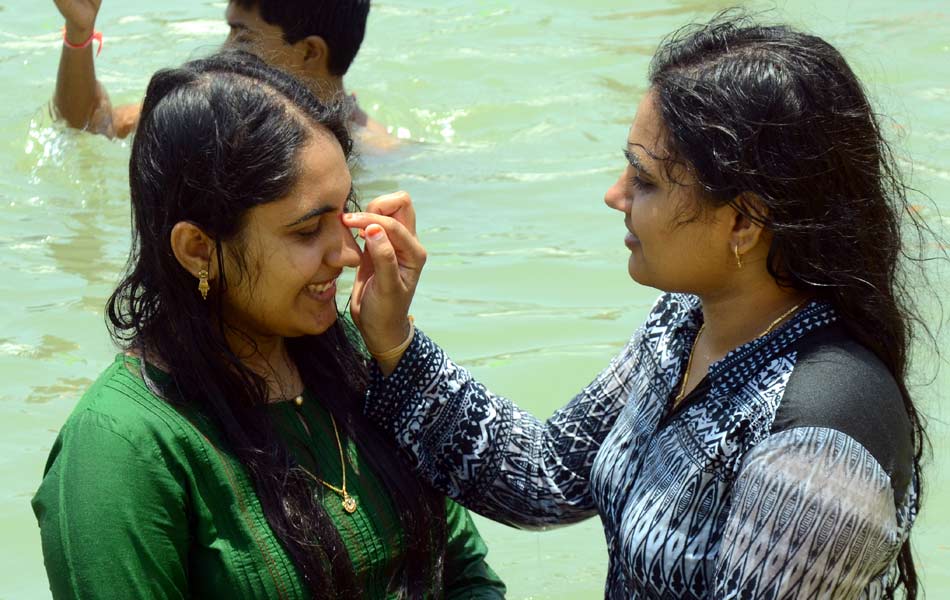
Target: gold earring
(203, 285)
(738, 257)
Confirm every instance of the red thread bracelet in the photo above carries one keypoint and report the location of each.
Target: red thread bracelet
(97, 36)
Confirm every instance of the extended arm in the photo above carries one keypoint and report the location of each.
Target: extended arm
(477, 447)
(484, 451)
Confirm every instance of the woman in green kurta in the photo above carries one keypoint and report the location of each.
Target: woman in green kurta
(223, 454)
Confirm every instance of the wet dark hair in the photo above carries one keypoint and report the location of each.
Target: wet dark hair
(217, 137)
(341, 24)
(774, 122)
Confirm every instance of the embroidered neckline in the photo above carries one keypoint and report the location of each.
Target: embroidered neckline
(730, 372)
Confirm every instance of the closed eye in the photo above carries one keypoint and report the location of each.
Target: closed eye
(639, 183)
(636, 170)
(309, 233)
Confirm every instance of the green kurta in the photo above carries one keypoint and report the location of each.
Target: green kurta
(139, 502)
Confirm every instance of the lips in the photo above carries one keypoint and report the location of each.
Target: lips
(630, 240)
(322, 291)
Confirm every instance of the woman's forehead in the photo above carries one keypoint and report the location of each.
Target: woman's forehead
(649, 142)
(323, 185)
(646, 134)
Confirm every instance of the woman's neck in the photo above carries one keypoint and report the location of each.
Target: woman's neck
(736, 317)
(269, 357)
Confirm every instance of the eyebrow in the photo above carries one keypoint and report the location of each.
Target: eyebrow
(635, 161)
(312, 214)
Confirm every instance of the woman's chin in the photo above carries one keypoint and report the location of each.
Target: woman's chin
(638, 274)
(318, 324)
(634, 270)
(325, 324)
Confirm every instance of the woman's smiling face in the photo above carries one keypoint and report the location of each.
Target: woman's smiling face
(675, 243)
(284, 265)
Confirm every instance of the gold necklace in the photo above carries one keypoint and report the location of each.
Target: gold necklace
(348, 503)
(689, 361)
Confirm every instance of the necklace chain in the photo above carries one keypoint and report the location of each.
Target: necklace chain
(689, 361)
(348, 503)
(283, 396)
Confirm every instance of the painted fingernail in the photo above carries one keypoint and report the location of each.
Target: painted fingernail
(374, 232)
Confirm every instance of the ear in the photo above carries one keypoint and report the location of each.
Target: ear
(747, 230)
(193, 248)
(316, 55)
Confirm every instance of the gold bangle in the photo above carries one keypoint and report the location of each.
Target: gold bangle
(398, 350)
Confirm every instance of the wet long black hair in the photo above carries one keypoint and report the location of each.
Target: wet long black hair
(769, 111)
(217, 137)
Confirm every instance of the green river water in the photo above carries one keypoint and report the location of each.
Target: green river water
(515, 113)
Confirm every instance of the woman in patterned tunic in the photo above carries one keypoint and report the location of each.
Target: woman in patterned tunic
(755, 438)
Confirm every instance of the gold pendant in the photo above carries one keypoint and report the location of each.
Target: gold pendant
(349, 504)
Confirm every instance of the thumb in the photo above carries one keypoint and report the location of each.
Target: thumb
(383, 255)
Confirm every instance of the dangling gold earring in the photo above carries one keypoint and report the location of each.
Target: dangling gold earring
(738, 257)
(203, 285)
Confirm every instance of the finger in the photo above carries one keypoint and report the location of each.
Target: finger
(404, 213)
(411, 253)
(363, 219)
(397, 205)
(387, 278)
(389, 203)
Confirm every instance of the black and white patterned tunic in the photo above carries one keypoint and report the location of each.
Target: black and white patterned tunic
(787, 473)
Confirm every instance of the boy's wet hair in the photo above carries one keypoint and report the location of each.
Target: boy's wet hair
(341, 24)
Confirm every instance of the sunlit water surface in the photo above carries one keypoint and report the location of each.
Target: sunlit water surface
(514, 115)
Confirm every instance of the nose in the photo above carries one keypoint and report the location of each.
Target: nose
(347, 252)
(616, 195)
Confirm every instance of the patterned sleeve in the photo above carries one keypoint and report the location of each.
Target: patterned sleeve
(485, 452)
(813, 516)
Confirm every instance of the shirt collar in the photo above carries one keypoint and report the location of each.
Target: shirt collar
(734, 369)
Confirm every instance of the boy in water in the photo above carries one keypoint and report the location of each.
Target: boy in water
(315, 40)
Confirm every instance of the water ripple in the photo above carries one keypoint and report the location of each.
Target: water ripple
(561, 351)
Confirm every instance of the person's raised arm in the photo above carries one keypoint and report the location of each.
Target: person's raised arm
(475, 446)
(79, 99)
